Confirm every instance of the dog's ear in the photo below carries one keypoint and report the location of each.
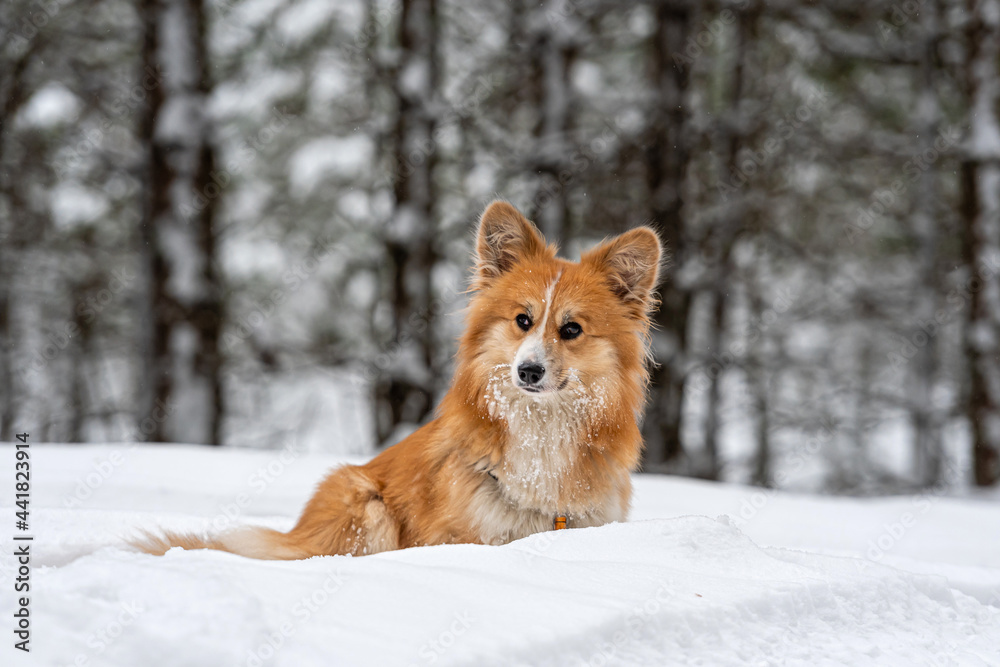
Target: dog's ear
(505, 237)
(632, 264)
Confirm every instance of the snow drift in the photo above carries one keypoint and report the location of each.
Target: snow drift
(668, 590)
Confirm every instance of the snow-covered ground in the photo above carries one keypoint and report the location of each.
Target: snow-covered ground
(704, 574)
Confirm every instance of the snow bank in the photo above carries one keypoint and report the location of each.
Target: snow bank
(666, 590)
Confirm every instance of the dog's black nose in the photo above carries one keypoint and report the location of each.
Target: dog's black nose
(530, 373)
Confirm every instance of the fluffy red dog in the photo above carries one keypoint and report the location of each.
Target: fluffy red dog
(538, 430)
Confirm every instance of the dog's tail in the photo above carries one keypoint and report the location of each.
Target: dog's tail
(346, 515)
(252, 542)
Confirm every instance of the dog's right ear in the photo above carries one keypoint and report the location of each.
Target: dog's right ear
(505, 237)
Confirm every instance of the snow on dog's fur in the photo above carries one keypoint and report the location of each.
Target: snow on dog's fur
(541, 419)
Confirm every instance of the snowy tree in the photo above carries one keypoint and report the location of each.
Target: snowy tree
(667, 155)
(274, 200)
(981, 217)
(66, 173)
(181, 392)
(404, 389)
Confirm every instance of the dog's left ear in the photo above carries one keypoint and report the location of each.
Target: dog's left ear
(632, 263)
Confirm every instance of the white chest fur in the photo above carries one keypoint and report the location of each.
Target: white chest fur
(544, 443)
(541, 474)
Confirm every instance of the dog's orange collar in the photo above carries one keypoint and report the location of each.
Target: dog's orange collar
(558, 523)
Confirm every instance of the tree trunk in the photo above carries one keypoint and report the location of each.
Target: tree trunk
(980, 177)
(551, 57)
(667, 156)
(860, 468)
(711, 469)
(730, 138)
(181, 391)
(926, 424)
(760, 386)
(404, 388)
(13, 93)
(81, 349)
(7, 398)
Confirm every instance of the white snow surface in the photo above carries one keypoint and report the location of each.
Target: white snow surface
(703, 574)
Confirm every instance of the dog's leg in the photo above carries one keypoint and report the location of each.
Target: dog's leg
(346, 516)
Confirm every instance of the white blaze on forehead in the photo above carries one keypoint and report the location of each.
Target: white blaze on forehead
(533, 348)
(549, 291)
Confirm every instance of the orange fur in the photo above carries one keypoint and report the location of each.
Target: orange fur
(499, 463)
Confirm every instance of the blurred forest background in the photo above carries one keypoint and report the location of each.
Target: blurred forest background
(248, 222)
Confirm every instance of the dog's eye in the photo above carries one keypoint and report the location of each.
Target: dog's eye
(570, 331)
(524, 321)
